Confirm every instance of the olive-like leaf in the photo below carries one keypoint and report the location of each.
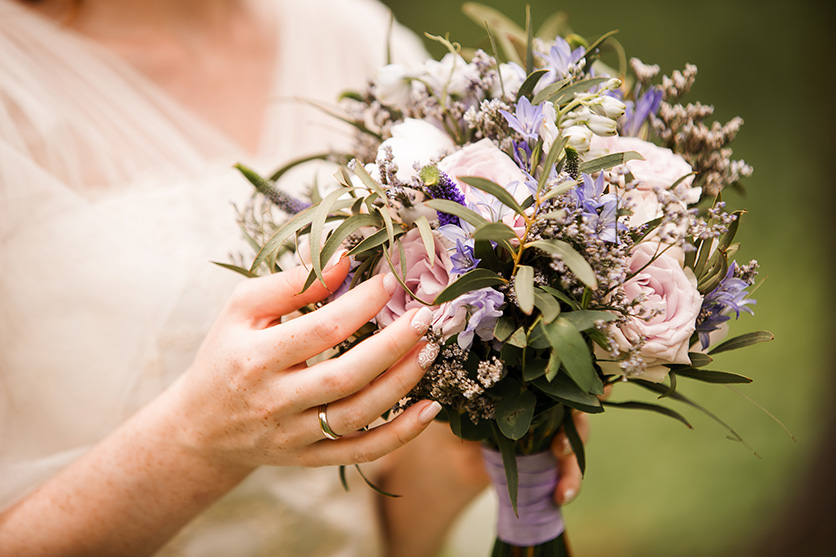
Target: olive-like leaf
(635, 405)
(426, 237)
(568, 93)
(586, 319)
(574, 354)
(712, 376)
(514, 414)
(548, 306)
(487, 186)
(471, 280)
(524, 288)
(564, 390)
(741, 341)
(575, 261)
(608, 161)
(456, 209)
(527, 87)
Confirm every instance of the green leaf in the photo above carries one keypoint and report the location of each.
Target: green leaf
(518, 339)
(551, 159)
(574, 354)
(371, 242)
(503, 329)
(575, 440)
(741, 341)
(548, 306)
(585, 319)
(562, 297)
(564, 390)
(559, 189)
(698, 359)
(537, 336)
(514, 414)
(453, 208)
(495, 232)
(317, 228)
(568, 93)
(651, 407)
(471, 280)
(509, 462)
(575, 261)
(549, 91)
(374, 487)
(529, 40)
(426, 237)
(711, 376)
(608, 161)
(503, 195)
(534, 367)
(591, 48)
(246, 272)
(279, 172)
(343, 479)
(527, 87)
(524, 287)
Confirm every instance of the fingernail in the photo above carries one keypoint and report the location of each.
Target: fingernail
(427, 355)
(569, 496)
(336, 258)
(431, 411)
(421, 320)
(390, 283)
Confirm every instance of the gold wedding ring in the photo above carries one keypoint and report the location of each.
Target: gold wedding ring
(323, 425)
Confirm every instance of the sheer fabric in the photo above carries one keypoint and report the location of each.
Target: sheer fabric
(114, 198)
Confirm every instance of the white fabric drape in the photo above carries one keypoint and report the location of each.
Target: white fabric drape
(114, 198)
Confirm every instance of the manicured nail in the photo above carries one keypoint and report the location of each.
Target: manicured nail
(390, 283)
(336, 258)
(431, 411)
(569, 496)
(421, 320)
(427, 355)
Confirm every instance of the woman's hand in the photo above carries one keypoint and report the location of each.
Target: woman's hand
(250, 399)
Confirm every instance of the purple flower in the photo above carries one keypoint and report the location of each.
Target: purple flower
(599, 211)
(526, 119)
(560, 61)
(463, 258)
(639, 111)
(479, 309)
(440, 186)
(728, 297)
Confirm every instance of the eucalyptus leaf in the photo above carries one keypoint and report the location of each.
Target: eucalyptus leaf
(560, 189)
(635, 405)
(574, 355)
(524, 288)
(495, 232)
(606, 162)
(343, 231)
(503, 329)
(564, 390)
(279, 172)
(456, 209)
(698, 359)
(568, 93)
(743, 340)
(246, 272)
(548, 306)
(527, 87)
(549, 91)
(518, 338)
(576, 441)
(509, 462)
(317, 228)
(514, 414)
(495, 190)
(471, 280)
(427, 237)
(537, 336)
(711, 376)
(585, 319)
(575, 261)
(534, 367)
(551, 159)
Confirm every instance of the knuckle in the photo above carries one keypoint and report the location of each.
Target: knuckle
(328, 332)
(354, 418)
(337, 383)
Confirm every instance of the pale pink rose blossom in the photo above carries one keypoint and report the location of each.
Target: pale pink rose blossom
(483, 159)
(660, 169)
(671, 289)
(426, 281)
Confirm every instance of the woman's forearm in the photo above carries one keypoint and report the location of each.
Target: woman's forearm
(127, 496)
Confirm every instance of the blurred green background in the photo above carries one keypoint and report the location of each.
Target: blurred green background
(653, 487)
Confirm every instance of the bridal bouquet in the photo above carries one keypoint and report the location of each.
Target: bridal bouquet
(563, 219)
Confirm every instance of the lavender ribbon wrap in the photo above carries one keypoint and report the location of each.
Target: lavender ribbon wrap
(539, 519)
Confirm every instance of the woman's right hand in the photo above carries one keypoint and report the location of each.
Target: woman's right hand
(250, 399)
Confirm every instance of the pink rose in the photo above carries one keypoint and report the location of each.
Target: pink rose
(670, 290)
(660, 169)
(425, 280)
(483, 159)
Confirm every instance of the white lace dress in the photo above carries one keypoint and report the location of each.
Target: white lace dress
(114, 199)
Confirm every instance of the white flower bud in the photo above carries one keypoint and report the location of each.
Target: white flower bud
(607, 106)
(579, 137)
(391, 85)
(601, 125)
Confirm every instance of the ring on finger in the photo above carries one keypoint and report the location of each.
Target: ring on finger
(323, 424)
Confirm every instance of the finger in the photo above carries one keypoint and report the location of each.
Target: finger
(560, 445)
(569, 480)
(266, 299)
(313, 333)
(340, 377)
(373, 444)
(364, 407)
